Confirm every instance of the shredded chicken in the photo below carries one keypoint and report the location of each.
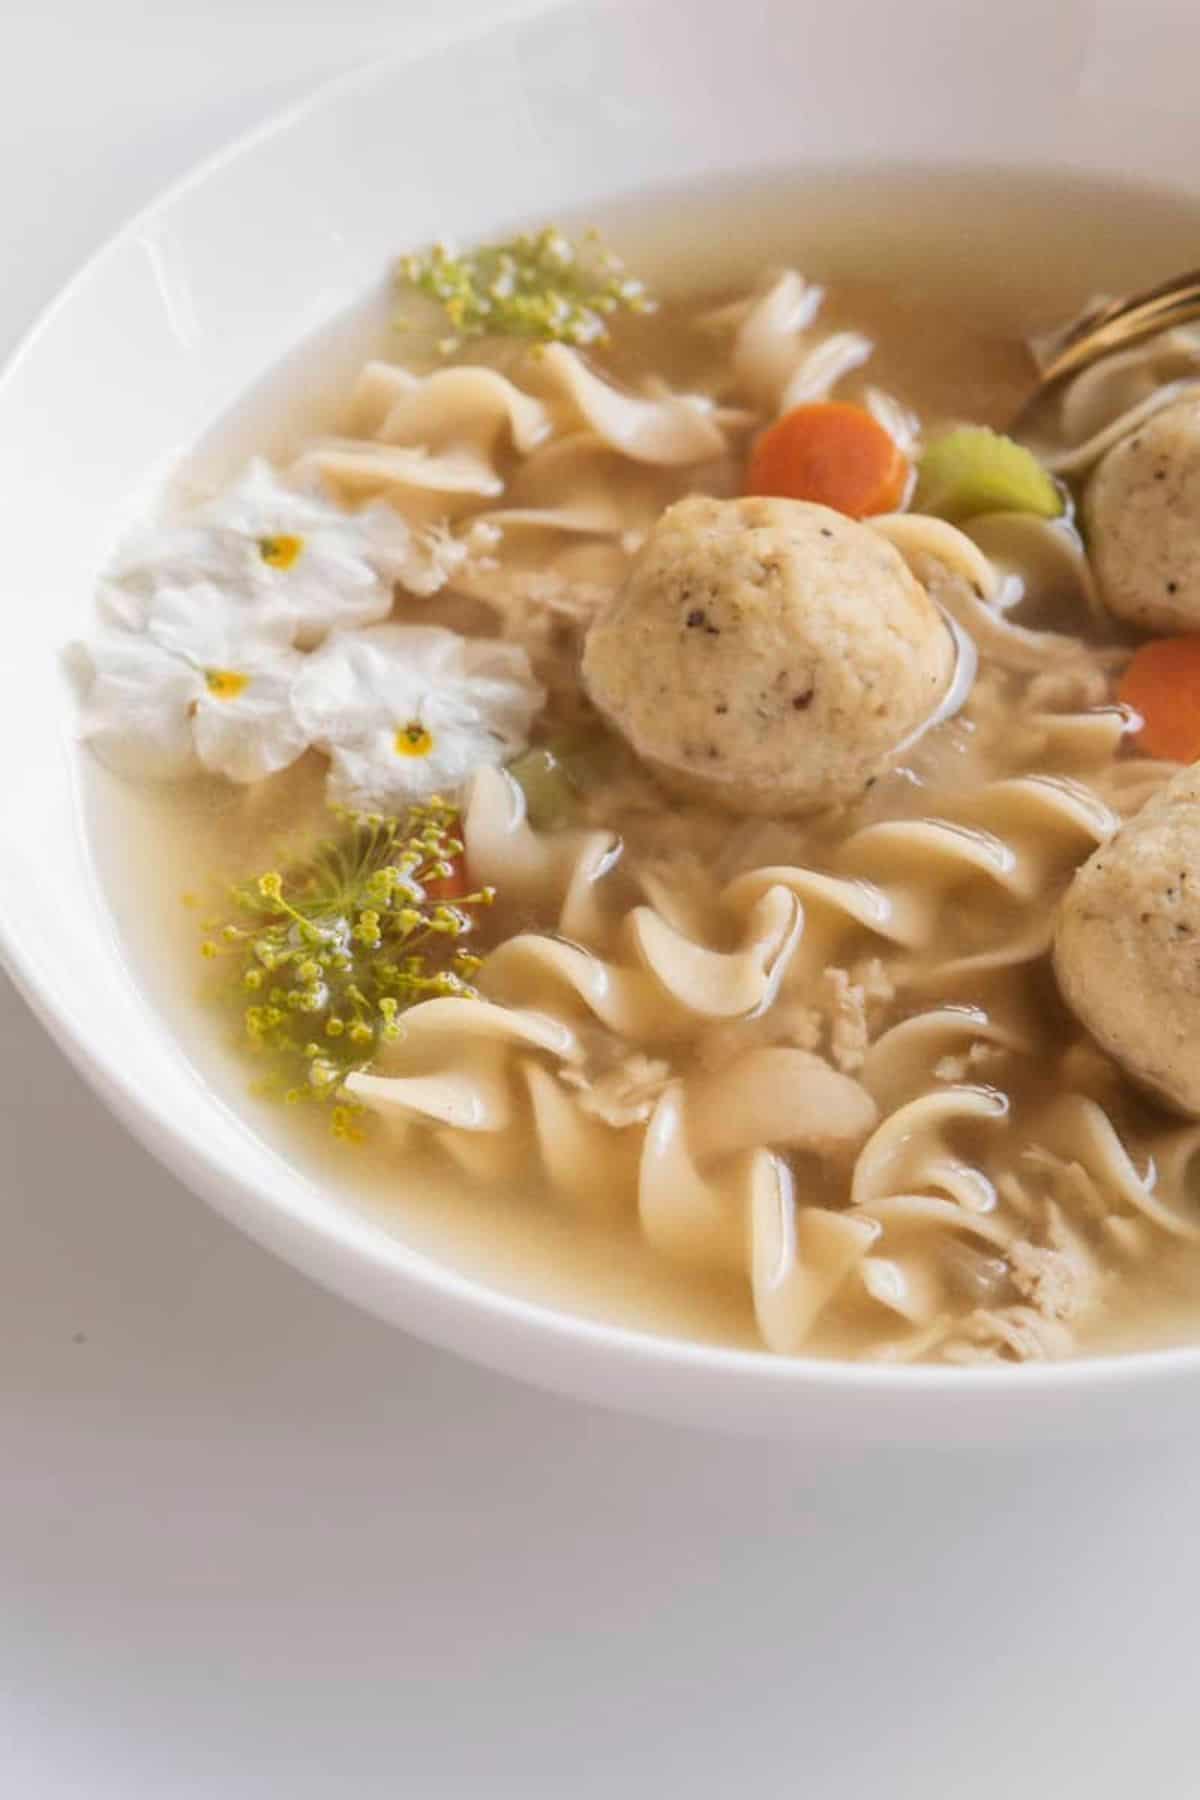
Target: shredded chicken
(839, 1019)
(849, 1036)
(434, 558)
(623, 1095)
(977, 1061)
(788, 1023)
(481, 538)
(1051, 1282)
(857, 999)
(1008, 1334)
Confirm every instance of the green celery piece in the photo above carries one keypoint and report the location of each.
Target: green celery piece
(973, 470)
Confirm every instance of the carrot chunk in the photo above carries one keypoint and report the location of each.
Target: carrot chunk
(832, 453)
(1162, 684)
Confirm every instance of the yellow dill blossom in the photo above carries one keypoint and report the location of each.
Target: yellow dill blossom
(540, 285)
(334, 950)
(346, 1123)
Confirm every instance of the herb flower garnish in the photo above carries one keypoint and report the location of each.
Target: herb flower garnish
(330, 953)
(406, 711)
(325, 567)
(539, 286)
(207, 683)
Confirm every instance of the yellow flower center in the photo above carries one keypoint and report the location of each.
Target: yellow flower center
(226, 684)
(281, 552)
(413, 740)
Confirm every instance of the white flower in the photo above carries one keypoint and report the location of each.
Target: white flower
(327, 567)
(207, 684)
(405, 711)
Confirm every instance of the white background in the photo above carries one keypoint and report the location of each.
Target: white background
(252, 1544)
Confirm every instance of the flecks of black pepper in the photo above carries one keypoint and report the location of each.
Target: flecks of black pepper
(698, 620)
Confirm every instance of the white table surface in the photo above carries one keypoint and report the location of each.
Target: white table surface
(253, 1544)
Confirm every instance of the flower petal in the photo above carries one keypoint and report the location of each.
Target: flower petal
(136, 710)
(422, 561)
(204, 626)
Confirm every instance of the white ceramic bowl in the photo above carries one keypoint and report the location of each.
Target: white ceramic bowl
(205, 291)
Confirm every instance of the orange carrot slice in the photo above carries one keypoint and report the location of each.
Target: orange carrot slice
(1162, 684)
(837, 455)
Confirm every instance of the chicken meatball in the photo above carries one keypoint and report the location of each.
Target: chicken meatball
(770, 655)
(1127, 945)
(1142, 515)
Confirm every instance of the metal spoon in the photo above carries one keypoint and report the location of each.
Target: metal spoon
(1113, 326)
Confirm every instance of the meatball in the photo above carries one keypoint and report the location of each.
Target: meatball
(770, 655)
(1127, 945)
(1142, 516)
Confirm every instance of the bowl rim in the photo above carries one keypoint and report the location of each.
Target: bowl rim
(476, 1301)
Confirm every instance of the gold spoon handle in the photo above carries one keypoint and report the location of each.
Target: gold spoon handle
(1126, 322)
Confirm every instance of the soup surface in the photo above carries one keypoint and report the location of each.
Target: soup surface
(787, 1075)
